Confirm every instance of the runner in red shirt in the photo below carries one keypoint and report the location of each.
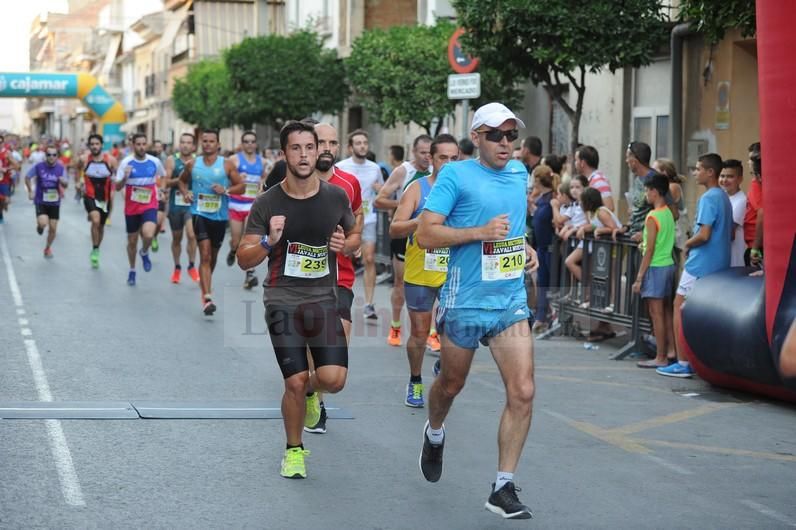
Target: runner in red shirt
(7, 164)
(328, 147)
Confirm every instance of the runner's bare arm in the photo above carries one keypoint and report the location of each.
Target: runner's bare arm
(384, 199)
(402, 225)
(238, 184)
(170, 181)
(250, 252)
(185, 180)
(432, 233)
(353, 239)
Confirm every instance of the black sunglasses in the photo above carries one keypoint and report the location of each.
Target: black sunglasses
(496, 135)
(51, 154)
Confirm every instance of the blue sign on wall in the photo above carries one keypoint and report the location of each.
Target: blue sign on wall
(38, 85)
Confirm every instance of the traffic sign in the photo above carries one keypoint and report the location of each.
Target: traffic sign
(464, 86)
(460, 61)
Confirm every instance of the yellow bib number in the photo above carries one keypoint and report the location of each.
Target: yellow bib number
(436, 260)
(252, 188)
(306, 261)
(50, 195)
(502, 260)
(141, 195)
(208, 203)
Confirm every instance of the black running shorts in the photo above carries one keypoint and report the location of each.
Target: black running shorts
(314, 325)
(205, 228)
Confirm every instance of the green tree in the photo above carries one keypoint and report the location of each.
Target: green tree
(713, 19)
(278, 78)
(400, 75)
(203, 96)
(556, 43)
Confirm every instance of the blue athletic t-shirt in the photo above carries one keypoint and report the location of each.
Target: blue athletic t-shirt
(483, 275)
(713, 209)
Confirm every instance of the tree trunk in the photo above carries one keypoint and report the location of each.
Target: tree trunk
(438, 128)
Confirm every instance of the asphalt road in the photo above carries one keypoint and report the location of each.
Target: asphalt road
(611, 446)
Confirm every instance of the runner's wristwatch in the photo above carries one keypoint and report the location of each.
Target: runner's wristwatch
(264, 243)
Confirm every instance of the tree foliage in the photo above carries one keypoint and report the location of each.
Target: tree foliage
(400, 75)
(556, 42)
(714, 18)
(278, 78)
(203, 97)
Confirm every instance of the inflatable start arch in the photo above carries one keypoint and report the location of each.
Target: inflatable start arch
(110, 113)
(735, 325)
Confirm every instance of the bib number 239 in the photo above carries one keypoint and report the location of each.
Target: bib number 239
(502, 260)
(306, 261)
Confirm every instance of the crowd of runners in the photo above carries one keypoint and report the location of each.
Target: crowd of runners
(459, 255)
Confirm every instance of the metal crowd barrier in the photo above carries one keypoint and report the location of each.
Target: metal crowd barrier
(609, 269)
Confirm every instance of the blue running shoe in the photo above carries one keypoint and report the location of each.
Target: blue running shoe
(414, 395)
(676, 370)
(436, 368)
(131, 279)
(146, 260)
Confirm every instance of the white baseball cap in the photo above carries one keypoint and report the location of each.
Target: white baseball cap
(493, 115)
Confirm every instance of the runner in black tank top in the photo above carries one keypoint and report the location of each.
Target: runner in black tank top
(97, 170)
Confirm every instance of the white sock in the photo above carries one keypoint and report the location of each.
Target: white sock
(502, 478)
(142, 252)
(435, 436)
(685, 363)
(132, 270)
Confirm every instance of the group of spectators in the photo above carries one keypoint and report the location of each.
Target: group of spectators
(568, 201)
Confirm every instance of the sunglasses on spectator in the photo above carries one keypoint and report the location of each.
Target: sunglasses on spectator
(496, 135)
(51, 154)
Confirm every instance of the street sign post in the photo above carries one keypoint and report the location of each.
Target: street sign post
(465, 84)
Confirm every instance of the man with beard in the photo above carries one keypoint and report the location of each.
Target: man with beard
(300, 225)
(251, 169)
(208, 176)
(328, 148)
(97, 169)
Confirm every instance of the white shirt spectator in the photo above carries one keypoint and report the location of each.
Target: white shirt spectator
(368, 174)
(738, 246)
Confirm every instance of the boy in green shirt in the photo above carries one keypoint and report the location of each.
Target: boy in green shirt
(656, 274)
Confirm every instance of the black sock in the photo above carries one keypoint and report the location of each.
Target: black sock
(301, 446)
(415, 379)
(96, 247)
(190, 264)
(309, 394)
(178, 267)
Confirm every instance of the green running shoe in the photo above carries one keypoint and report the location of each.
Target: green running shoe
(313, 412)
(95, 258)
(293, 463)
(155, 245)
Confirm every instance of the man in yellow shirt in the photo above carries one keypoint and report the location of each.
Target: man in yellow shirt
(425, 269)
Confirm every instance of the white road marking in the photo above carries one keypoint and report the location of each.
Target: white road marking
(768, 512)
(70, 483)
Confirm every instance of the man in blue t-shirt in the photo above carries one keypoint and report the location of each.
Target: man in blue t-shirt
(708, 251)
(477, 208)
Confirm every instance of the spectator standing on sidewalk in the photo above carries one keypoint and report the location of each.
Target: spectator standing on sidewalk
(730, 181)
(587, 160)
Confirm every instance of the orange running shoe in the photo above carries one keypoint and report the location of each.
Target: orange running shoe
(175, 276)
(433, 342)
(394, 339)
(194, 274)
